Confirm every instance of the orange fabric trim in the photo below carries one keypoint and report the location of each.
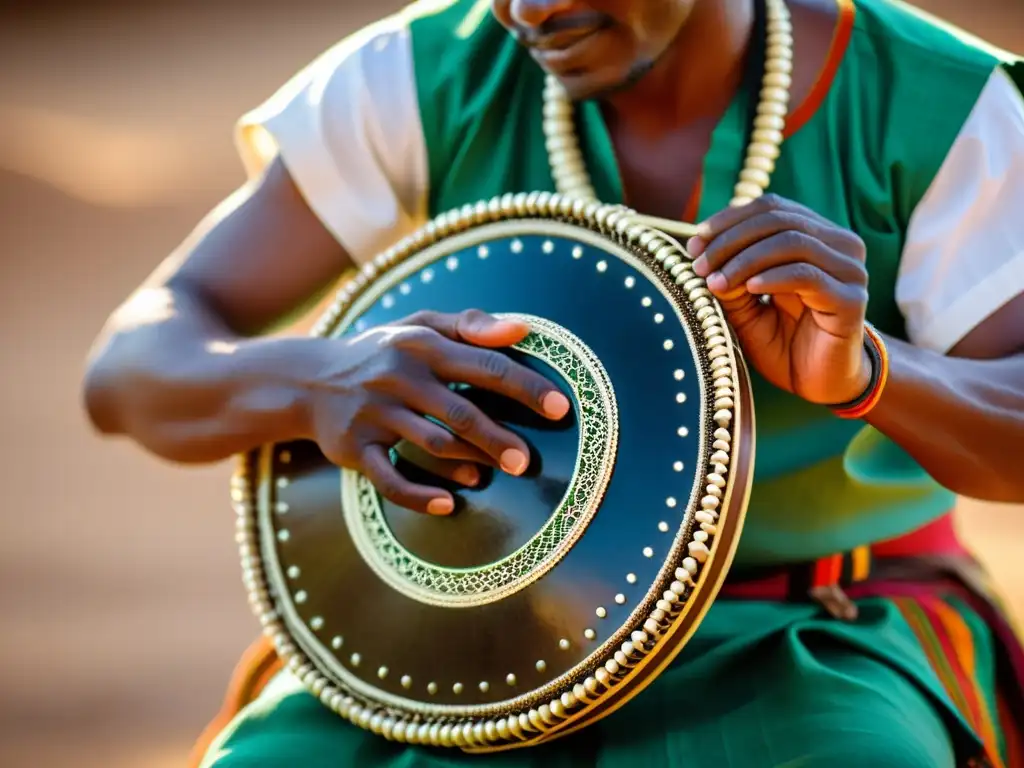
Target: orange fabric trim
(963, 645)
(255, 669)
(693, 204)
(815, 97)
(861, 565)
(835, 574)
(828, 571)
(1011, 734)
(837, 50)
(933, 635)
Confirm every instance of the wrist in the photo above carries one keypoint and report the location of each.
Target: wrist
(876, 373)
(865, 373)
(273, 387)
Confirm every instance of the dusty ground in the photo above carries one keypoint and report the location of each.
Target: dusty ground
(122, 607)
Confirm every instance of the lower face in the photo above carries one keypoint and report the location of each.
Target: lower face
(594, 47)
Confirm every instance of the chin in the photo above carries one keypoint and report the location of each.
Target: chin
(601, 82)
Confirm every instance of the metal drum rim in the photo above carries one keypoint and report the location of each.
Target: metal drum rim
(489, 731)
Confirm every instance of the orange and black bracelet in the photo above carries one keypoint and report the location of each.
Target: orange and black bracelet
(879, 354)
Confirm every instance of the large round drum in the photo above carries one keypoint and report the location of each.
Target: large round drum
(545, 601)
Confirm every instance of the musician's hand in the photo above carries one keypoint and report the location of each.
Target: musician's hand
(373, 393)
(809, 339)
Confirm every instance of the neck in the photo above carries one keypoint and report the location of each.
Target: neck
(696, 77)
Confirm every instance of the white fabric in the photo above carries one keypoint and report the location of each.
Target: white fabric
(964, 254)
(348, 128)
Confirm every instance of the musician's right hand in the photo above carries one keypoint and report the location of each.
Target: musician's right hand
(184, 369)
(377, 391)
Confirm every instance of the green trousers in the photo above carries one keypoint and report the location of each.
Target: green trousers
(760, 684)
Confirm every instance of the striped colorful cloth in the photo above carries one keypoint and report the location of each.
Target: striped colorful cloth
(960, 624)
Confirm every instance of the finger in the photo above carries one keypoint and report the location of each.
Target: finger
(459, 472)
(472, 327)
(437, 441)
(497, 372)
(749, 232)
(377, 466)
(467, 421)
(786, 247)
(817, 289)
(733, 216)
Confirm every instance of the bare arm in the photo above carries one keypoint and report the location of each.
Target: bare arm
(961, 416)
(177, 367)
(954, 399)
(179, 370)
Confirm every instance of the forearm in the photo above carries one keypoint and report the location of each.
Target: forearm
(171, 376)
(961, 419)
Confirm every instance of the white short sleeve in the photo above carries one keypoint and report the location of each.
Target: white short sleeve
(964, 255)
(348, 129)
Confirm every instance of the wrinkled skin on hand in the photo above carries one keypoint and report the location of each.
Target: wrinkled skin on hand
(809, 339)
(378, 390)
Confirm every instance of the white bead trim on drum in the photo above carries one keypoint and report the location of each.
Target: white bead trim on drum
(607, 675)
(701, 537)
(316, 623)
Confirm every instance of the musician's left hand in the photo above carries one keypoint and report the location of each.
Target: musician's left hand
(809, 339)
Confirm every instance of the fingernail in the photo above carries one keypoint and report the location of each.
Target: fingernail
(555, 405)
(509, 326)
(440, 507)
(704, 231)
(466, 475)
(716, 281)
(700, 265)
(513, 461)
(696, 245)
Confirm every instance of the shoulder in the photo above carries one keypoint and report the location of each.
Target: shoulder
(347, 127)
(926, 71)
(908, 85)
(450, 22)
(456, 58)
(425, 46)
(365, 74)
(905, 35)
(964, 252)
(455, 29)
(462, 55)
(893, 71)
(476, 87)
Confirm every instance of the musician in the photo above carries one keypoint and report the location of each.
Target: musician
(902, 161)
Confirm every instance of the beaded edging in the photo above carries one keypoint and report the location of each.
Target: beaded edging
(469, 587)
(579, 698)
(574, 203)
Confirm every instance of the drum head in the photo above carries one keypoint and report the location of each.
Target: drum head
(546, 600)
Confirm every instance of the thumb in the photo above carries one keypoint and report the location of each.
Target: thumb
(473, 327)
(488, 331)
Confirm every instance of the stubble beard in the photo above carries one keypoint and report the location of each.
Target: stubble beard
(636, 73)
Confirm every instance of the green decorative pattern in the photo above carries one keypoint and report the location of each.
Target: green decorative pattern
(430, 583)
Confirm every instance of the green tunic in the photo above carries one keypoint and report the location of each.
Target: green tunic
(761, 684)
(864, 160)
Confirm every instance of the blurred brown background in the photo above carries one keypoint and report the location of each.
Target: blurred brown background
(122, 607)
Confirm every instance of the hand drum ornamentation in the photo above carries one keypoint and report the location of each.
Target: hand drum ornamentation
(546, 601)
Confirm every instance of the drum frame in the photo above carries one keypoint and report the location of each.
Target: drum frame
(689, 585)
